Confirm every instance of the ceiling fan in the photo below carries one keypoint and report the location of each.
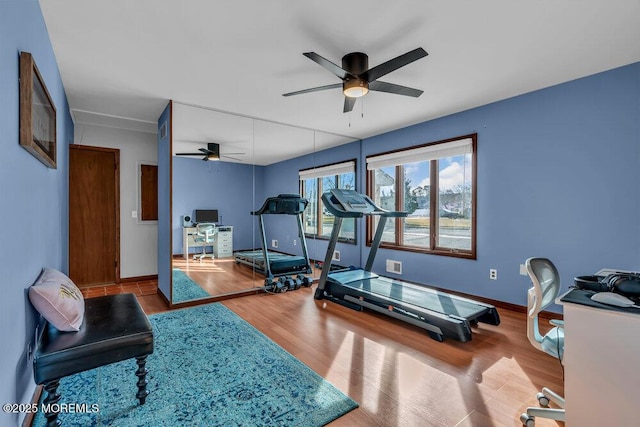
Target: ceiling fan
(212, 152)
(358, 79)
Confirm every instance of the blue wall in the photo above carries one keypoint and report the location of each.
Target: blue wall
(164, 204)
(558, 176)
(227, 187)
(34, 208)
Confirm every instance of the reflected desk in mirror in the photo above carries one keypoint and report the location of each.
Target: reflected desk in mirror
(222, 244)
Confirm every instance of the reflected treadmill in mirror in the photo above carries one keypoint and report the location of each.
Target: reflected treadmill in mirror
(282, 271)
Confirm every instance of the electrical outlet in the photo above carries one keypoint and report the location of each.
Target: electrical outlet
(274, 243)
(294, 242)
(523, 270)
(336, 256)
(134, 214)
(493, 274)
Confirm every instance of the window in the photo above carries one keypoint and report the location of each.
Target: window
(437, 178)
(317, 221)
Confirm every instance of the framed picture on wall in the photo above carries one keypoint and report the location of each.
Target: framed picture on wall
(37, 113)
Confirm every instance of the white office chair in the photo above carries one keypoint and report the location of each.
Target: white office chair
(546, 286)
(205, 234)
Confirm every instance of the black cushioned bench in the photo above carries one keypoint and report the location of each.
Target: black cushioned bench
(114, 329)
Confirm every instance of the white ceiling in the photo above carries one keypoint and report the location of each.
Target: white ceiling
(122, 60)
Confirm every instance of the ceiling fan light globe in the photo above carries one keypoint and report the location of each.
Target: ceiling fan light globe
(355, 88)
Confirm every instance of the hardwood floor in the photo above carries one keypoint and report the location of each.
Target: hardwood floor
(397, 374)
(146, 287)
(219, 276)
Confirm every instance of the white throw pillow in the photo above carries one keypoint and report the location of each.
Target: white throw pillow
(58, 300)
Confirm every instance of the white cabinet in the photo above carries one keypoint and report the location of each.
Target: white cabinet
(223, 246)
(601, 379)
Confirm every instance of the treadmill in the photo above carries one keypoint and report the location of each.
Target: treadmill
(441, 314)
(277, 264)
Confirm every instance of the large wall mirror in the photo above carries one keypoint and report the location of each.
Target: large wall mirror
(223, 184)
(217, 187)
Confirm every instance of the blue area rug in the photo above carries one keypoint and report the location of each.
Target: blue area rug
(185, 289)
(209, 368)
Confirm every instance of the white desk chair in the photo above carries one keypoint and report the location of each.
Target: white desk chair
(205, 234)
(546, 287)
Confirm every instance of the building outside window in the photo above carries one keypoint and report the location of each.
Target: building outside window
(317, 221)
(435, 184)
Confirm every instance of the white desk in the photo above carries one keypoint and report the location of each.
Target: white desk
(601, 373)
(222, 244)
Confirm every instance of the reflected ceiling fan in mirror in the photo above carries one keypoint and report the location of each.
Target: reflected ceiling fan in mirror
(358, 79)
(212, 152)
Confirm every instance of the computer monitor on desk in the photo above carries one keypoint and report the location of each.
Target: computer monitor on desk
(206, 215)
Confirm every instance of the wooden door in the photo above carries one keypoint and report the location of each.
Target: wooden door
(94, 215)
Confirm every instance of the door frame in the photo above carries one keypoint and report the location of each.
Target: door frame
(116, 181)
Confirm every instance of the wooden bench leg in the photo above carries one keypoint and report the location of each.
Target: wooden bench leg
(141, 373)
(51, 403)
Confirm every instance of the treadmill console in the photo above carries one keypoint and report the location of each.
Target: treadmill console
(288, 204)
(353, 201)
(348, 203)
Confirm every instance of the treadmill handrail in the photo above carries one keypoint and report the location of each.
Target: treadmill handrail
(365, 206)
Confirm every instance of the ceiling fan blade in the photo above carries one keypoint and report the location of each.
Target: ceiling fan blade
(188, 154)
(229, 157)
(394, 88)
(313, 89)
(348, 104)
(328, 65)
(385, 68)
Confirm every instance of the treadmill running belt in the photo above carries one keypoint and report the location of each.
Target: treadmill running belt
(279, 262)
(419, 296)
(350, 276)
